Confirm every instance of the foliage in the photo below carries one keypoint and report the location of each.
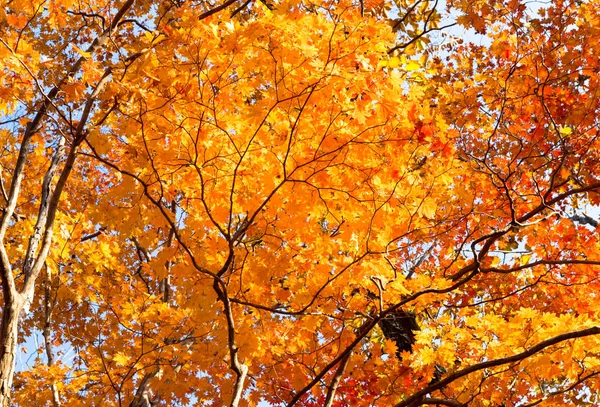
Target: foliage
(329, 203)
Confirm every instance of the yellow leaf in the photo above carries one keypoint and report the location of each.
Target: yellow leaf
(412, 66)
(428, 208)
(393, 62)
(565, 131)
(81, 52)
(100, 144)
(120, 359)
(525, 259)
(495, 262)
(426, 357)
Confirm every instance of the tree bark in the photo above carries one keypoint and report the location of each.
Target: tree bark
(48, 308)
(8, 348)
(144, 396)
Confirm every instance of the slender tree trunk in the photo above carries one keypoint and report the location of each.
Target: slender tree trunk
(48, 308)
(8, 346)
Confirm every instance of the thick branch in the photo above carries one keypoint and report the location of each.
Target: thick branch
(217, 9)
(35, 237)
(48, 309)
(240, 369)
(418, 396)
(539, 263)
(51, 206)
(489, 239)
(143, 395)
(337, 378)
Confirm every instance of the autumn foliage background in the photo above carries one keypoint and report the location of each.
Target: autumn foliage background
(209, 203)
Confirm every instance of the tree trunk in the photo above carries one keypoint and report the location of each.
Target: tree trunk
(144, 396)
(8, 347)
(48, 308)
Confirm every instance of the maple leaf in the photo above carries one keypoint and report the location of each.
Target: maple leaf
(428, 207)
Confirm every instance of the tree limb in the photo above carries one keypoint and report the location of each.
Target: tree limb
(409, 402)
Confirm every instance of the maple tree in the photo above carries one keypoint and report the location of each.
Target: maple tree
(307, 203)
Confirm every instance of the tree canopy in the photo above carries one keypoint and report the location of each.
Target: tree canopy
(309, 203)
